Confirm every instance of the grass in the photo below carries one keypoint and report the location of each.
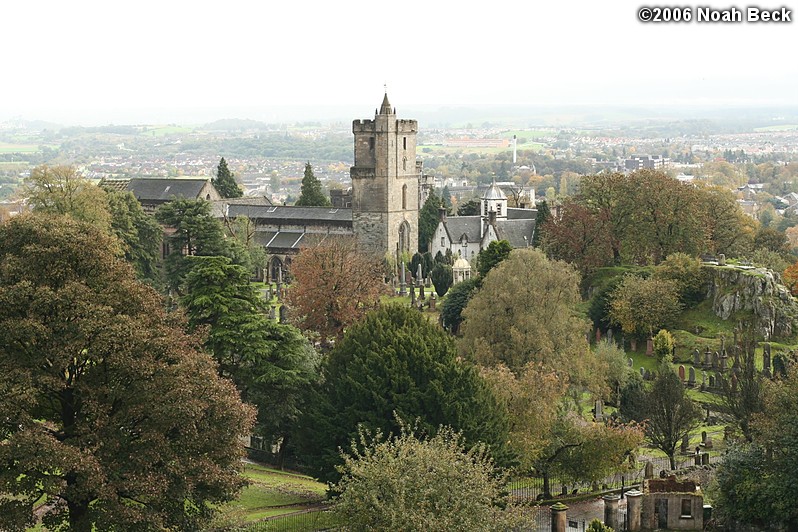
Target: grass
(18, 148)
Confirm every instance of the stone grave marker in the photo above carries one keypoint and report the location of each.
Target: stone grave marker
(649, 472)
(696, 357)
(703, 436)
(708, 443)
(649, 347)
(432, 301)
(598, 413)
(711, 381)
(766, 365)
(707, 358)
(403, 282)
(609, 334)
(681, 373)
(691, 377)
(630, 362)
(272, 312)
(283, 313)
(715, 360)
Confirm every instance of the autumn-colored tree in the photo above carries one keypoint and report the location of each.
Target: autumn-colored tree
(109, 413)
(790, 278)
(334, 285)
(62, 190)
(579, 236)
(641, 305)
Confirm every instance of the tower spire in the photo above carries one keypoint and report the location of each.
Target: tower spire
(385, 108)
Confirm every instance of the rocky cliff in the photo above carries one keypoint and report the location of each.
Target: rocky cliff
(759, 291)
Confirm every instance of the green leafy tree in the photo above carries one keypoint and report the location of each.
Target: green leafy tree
(109, 411)
(663, 346)
(224, 182)
(667, 410)
(140, 234)
(442, 278)
(688, 275)
(469, 208)
(414, 476)
(194, 231)
(396, 361)
(745, 400)
(641, 305)
(497, 251)
(455, 302)
(61, 190)
(311, 193)
(543, 216)
(428, 218)
(270, 363)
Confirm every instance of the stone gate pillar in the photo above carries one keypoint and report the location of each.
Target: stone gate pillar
(559, 519)
(634, 510)
(611, 510)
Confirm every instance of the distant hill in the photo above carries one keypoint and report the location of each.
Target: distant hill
(236, 124)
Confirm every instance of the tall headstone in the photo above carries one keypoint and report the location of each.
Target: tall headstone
(609, 335)
(649, 347)
(649, 471)
(696, 357)
(711, 381)
(421, 295)
(703, 436)
(272, 312)
(630, 362)
(611, 510)
(403, 282)
(412, 295)
(283, 313)
(707, 358)
(432, 301)
(708, 443)
(715, 360)
(418, 275)
(598, 409)
(691, 377)
(722, 344)
(681, 373)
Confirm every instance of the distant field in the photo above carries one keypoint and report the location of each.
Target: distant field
(783, 127)
(531, 134)
(18, 148)
(160, 131)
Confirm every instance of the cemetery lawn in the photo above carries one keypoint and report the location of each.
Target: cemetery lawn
(272, 492)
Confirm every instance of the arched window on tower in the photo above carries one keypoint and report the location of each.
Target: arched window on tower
(404, 196)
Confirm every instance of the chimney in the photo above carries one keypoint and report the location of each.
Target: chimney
(492, 218)
(442, 214)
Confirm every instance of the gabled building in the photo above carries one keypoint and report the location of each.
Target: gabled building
(152, 193)
(468, 235)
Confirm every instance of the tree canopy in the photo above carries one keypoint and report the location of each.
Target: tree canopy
(497, 251)
(414, 477)
(311, 192)
(428, 218)
(394, 361)
(224, 182)
(109, 409)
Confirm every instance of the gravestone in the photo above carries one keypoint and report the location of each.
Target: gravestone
(403, 282)
(721, 259)
(598, 413)
(703, 436)
(412, 295)
(696, 357)
(418, 274)
(691, 377)
(718, 381)
(708, 443)
(707, 358)
(697, 457)
(283, 313)
(421, 296)
(715, 360)
(711, 381)
(705, 459)
(609, 335)
(633, 344)
(630, 362)
(649, 471)
(685, 447)
(432, 301)
(642, 372)
(724, 363)
(272, 312)
(681, 374)
(722, 344)
(269, 294)
(703, 378)
(649, 347)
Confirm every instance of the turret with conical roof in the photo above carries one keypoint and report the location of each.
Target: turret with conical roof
(385, 108)
(494, 200)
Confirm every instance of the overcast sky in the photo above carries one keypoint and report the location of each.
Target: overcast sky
(107, 59)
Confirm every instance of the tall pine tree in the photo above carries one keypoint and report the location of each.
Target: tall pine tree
(224, 182)
(311, 194)
(428, 218)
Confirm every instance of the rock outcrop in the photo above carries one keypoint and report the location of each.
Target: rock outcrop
(759, 291)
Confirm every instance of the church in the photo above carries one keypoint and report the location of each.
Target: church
(386, 192)
(468, 235)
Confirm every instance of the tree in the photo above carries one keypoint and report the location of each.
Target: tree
(452, 307)
(413, 478)
(756, 481)
(790, 278)
(224, 182)
(526, 312)
(744, 398)
(497, 251)
(110, 412)
(442, 279)
(61, 190)
(311, 193)
(428, 219)
(195, 232)
(446, 198)
(469, 208)
(688, 275)
(395, 361)
(641, 305)
(667, 410)
(270, 363)
(663, 346)
(140, 234)
(542, 218)
(334, 286)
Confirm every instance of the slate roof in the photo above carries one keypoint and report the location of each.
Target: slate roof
(457, 225)
(166, 189)
(514, 232)
(115, 184)
(494, 193)
(280, 214)
(521, 214)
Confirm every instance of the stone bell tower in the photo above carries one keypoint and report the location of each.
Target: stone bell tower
(385, 183)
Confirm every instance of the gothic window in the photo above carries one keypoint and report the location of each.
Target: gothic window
(404, 196)
(404, 237)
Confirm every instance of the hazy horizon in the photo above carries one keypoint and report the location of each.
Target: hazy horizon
(93, 63)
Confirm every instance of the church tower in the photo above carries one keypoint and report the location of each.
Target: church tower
(385, 183)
